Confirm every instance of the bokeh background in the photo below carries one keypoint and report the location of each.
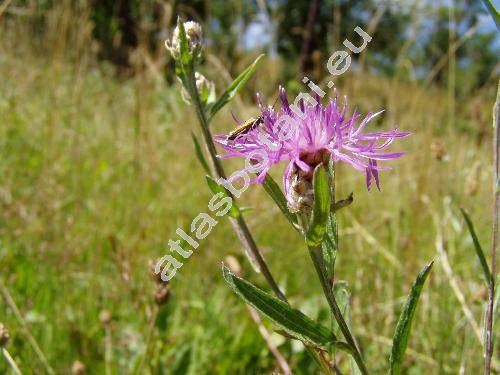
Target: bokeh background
(97, 171)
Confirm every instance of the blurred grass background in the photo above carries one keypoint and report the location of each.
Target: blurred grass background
(97, 172)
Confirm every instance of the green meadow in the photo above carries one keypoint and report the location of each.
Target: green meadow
(97, 171)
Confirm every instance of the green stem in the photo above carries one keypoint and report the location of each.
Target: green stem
(317, 258)
(239, 225)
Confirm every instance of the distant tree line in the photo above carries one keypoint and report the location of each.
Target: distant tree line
(414, 40)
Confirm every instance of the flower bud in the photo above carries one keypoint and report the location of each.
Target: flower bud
(4, 335)
(301, 194)
(194, 36)
(203, 85)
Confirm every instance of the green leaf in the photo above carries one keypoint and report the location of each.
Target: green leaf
(494, 13)
(179, 72)
(317, 227)
(274, 191)
(330, 245)
(341, 292)
(246, 209)
(478, 248)
(186, 57)
(217, 188)
(233, 88)
(199, 154)
(294, 322)
(400, 340)
(330, 242)
(184, 65)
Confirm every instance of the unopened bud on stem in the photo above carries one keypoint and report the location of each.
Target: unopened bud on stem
(300, 196)
(194, 36)
(203, 86)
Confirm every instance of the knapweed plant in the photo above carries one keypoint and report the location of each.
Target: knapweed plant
(312, 138)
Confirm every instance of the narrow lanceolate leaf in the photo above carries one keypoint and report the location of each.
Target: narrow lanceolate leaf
(400, 340)
(274, 191)
(199, 154)
(216, 188)
(244, 210)
(477, 247)
(292, 321)
(317, 227)
(330, 244)
(186, 58)
(494, 13)
(184, 66)
(341, 291)
(233, 88)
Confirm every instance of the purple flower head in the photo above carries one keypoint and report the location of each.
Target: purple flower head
(307, 135)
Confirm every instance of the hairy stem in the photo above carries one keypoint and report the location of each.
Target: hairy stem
(317, 258)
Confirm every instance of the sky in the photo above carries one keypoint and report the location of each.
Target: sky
(258, 32)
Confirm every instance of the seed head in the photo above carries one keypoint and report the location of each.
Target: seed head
(78, 368)
(105, 317)
(162, 288)
(4, 335)
(194, 35)
(162, 293)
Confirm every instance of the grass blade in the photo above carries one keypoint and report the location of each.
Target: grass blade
(274, 191)
(294, 322)
(477, 247)
(403, 328)
(494, 13)
(317, 227)
(233, 88)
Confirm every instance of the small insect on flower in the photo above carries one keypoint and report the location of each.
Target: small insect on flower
(244, 128)
(308, 135)
(249, 125)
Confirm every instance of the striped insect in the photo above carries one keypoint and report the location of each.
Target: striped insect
(244, 128)
(247, 126)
